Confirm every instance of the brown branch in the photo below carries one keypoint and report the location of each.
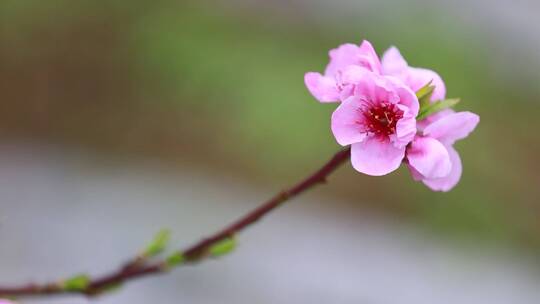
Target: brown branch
(138, 268)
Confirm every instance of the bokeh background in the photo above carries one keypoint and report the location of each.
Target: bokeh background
(118, 118)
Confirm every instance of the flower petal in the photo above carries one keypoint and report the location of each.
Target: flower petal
(376, 88)
(376, 157)
(429, 157)
(450, 128)
(347, 122)
(417, 176)
(407, 97)
(395, 65)
(341, 57)
(369, 58)
(349, 77)
(416, 78)
(405, 130)
(422, 124)
(392, 62)
(352, 74)
(322, 88)
(448, 182)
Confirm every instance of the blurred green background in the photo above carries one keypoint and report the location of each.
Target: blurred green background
(220, 85)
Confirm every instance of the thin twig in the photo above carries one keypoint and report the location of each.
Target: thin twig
(137, 269)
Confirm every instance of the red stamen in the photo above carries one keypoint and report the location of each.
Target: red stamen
(380, 119)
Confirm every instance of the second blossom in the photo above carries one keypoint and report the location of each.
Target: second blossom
(377, 120)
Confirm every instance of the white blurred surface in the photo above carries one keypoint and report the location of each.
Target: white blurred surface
(62, 213)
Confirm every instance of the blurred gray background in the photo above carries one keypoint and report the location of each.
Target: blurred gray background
(314, 250)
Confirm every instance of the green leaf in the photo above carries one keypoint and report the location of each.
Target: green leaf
(76, 283)
(424, 94)
(223, 247)
(436, 107)
(175, 259)
(158, 244)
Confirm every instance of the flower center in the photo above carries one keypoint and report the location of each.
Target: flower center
(380, 119)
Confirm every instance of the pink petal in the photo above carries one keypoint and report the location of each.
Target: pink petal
(405, 130)
(429, 157)
(452, 127)
(341, 57)
(416, 78)
(349, 77)
(376, 157)
(392, 62)
(417, 176)
(422, 124)
(407, 97)
(448, 182)
(375, 88)
(369, 58)
(395, 65)
(347, 122)
(322, 88)
(352, 74)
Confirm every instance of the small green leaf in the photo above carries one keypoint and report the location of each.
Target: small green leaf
(175, 259)
(424, 94)
(425, 90)
(76, 283)
(223, 247)
(158, 244)
(437, 107)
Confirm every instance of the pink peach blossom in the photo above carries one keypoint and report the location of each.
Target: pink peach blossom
(378, 121)
(431, 156)
(329, 87)
(394, 64)
(378, 110)
(346, 61)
